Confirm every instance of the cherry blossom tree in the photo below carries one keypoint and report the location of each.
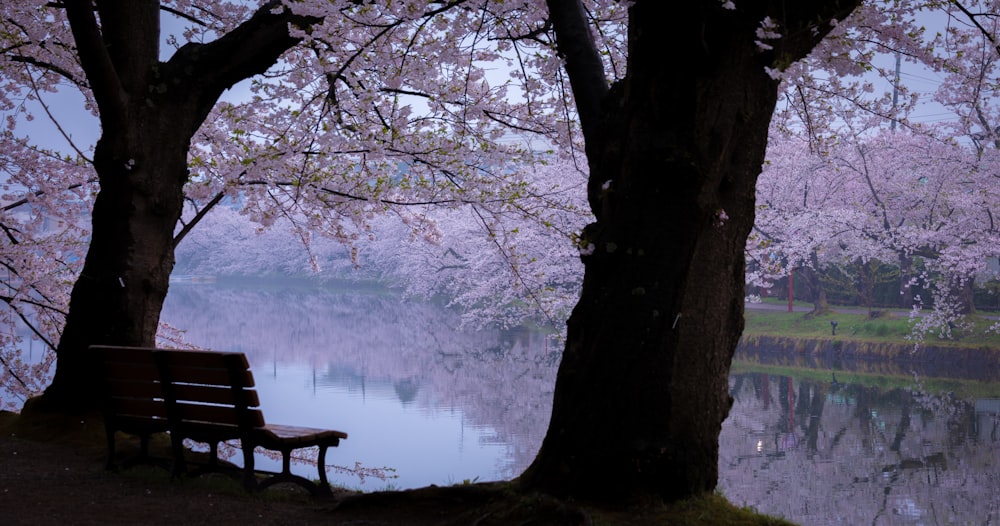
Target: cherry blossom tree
(148, 112)
(326, 83)
(824, 98)
(502, 265)
(45, 199)
(628, 141)
(227, 243)
(892, 197)
(801, 214)
(674, 153)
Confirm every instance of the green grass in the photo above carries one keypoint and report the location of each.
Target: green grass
(890, 326)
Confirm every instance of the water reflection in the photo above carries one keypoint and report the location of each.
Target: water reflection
(415, 393)
(859, 443)
(854, 449)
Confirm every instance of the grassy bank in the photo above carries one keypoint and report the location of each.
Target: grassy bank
(889, 326)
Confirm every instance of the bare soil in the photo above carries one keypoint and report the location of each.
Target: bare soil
(52, 473)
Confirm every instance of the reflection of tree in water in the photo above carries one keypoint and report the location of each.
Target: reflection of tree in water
(840, 453)
(406, 389)
(368, 342)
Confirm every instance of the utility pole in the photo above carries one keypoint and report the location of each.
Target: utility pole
(895, 93)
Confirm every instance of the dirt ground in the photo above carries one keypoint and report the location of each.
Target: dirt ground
(44, 483)
(57, 476)
(52, 473)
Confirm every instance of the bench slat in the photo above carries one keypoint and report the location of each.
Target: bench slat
(204, 367)
(282, 436)
(209, 359)
(226, 415)
(215, 394)
(207, 376)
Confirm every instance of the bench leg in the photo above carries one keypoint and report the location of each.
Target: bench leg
(110, 435)
(142, 458)
(177, 446)
(249, 475)
(321, 464)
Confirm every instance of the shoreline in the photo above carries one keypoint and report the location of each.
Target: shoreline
(974, 363)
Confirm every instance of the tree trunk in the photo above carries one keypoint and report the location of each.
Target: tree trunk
(674, 154)
(149, 111)
(119, 294)
(820, 304)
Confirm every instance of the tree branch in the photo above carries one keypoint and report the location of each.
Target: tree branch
(575, 44)
(97, 65)
(39, 193)
(62, 72)
(249, 49)
(972, 18)
(182, 15)
(186, 229)
(55, 121)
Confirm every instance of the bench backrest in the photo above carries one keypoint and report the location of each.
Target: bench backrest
(211, 387)
(132, 384)
(188, 388)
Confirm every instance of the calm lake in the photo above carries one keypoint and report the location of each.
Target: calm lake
(850, 444)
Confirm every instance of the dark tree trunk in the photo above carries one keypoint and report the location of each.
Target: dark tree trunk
(811, 276)
(149, 111)
(674, 150)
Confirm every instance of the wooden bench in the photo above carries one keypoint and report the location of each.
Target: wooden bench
(207, 397)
